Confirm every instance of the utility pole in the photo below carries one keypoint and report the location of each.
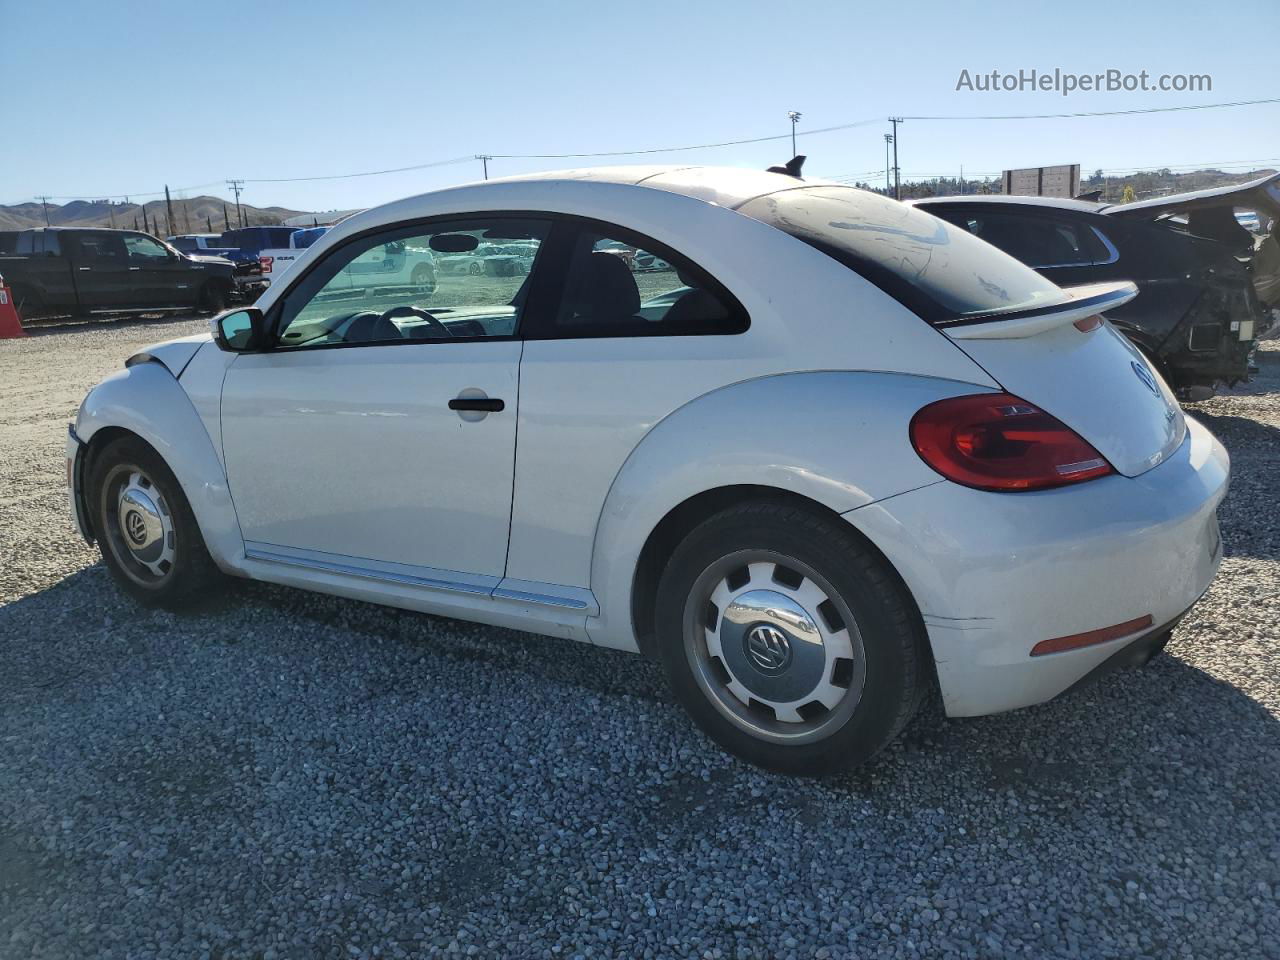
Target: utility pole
(888, 139)
(168, 207)
(794, 117)
(484, 158)
(897, 175)
(44, 202)
(237, 186)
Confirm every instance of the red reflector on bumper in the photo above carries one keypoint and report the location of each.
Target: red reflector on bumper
(1077, 640)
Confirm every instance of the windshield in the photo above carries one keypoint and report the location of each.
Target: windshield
(939, 271)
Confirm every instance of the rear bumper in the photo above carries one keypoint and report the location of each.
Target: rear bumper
(994, 574)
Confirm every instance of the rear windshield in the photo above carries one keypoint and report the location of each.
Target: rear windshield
(939, 271)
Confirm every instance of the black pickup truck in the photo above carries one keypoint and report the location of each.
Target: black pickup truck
(55, 270)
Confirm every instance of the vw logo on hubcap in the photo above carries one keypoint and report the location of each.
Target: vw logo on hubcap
(769, 648)
(135, 527)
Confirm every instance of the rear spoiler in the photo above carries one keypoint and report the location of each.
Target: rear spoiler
(1082, 302)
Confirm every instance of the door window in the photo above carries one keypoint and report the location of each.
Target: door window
(622, 285)
(105, 249)
(460, 280)
(145, 249)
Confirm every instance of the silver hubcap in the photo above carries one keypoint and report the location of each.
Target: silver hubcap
(774, 647)
(143, 526)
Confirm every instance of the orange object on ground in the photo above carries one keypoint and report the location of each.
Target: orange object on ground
(10, 322)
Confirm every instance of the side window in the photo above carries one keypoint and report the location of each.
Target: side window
(620, 285)
(34, 242)
(459, 280)
(1041, 241)
(145, 249)
(106, 249)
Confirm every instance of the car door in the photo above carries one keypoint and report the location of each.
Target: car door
(620, 351)
(379, 433)
(157, 276)
(100, 264)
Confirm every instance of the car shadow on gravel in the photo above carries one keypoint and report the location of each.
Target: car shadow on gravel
(1115, 724)
(274, 740)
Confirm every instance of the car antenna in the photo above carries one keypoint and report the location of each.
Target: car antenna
(791, 168)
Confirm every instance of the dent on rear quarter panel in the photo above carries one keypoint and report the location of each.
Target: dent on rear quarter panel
(837, 438)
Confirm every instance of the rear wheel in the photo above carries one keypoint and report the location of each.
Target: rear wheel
(789, 640)
(27, 302)
(145, 528)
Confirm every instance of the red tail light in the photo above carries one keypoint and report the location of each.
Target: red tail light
(996, 441)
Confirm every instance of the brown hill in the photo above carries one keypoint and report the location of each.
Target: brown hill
(191, 215)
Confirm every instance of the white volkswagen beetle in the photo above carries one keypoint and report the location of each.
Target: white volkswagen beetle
(835, 453)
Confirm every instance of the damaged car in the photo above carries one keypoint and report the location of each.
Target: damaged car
(1209, 286)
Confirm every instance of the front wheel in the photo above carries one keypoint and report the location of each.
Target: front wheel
(148, 536)
(789, 639)
(213, 297)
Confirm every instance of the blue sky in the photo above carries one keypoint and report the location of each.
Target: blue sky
(106, 99)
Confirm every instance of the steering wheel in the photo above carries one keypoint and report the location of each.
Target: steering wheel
(411, 311)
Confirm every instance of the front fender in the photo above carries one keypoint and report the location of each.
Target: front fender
(146, 400)
(837, 438)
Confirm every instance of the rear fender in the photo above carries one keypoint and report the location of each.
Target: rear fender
(839, 439)
(146, 400)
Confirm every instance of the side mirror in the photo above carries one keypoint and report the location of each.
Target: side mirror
(239, 331)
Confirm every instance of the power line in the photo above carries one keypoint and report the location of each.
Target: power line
(136, 193)
(1131, 168)
(1097, 113)
(695, 146)
(367, 173)
(677, 149)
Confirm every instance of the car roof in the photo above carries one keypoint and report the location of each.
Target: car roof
(87, 229)
(1054, 203)
(726, 186)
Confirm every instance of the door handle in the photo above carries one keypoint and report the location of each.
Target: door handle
(86, 268)
(135, 268)
(481, 404)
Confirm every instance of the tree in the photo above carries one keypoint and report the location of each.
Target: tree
(1129, 196)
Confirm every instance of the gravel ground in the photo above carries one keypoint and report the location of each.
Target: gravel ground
(288, 775)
